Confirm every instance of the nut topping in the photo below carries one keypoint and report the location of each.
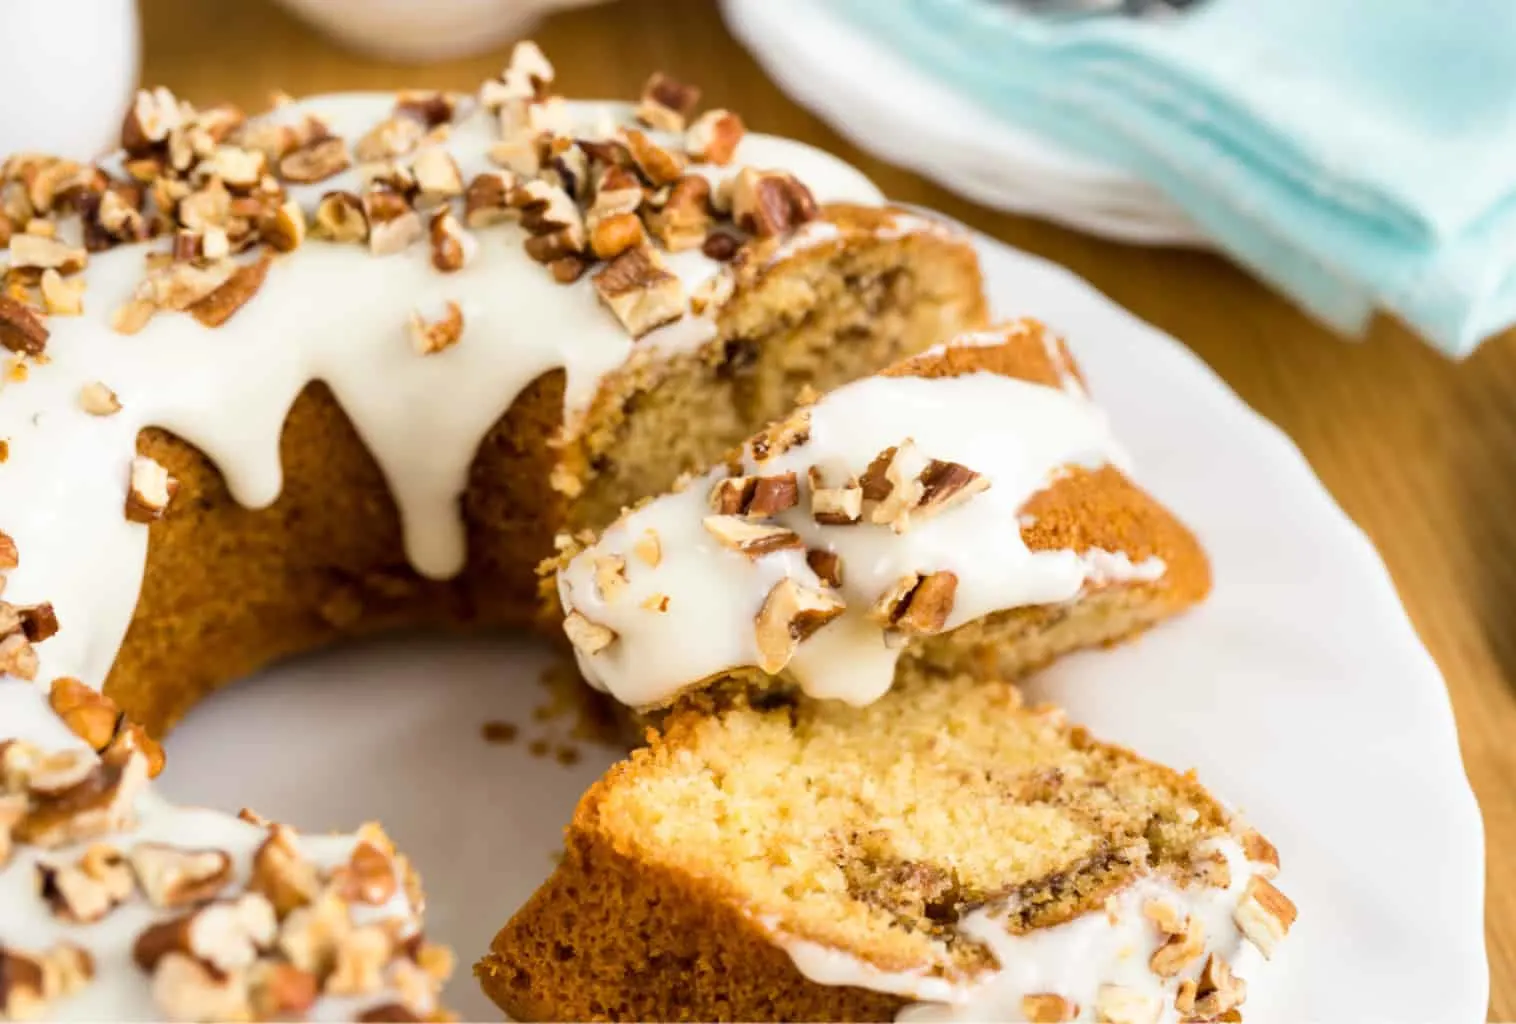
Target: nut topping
(340, 218)
(714, 137)
(61, 297)
(790, 615)
(1117, 1005)
(316, 161)
(613, 235)
(917, 604)
(437, 174)
(835, 506)
(640, 290)
(587, 636)
(658, 165)
(1215, 992)
(827, 565)
(227, 935)
(393, 225)
(945, 485)
(98, 400)
(667, 103)
(610, 576)
(768, 203)
(20, 329)
(1260, 853)
(755, 497)
(174, 877)
(429, 337)
(751, 539)
(218, 307)
(17, 658)
(1264, 914)
(282, 874)
(86, 892)
(1046, 1008)
(187, 989)
(486, 201)
(1184, 941)
(781, 437)
(38, 252)
(150, 491)
(284, 227)
(9, 556)
(368, 877)
(648, 549)
(451, 245)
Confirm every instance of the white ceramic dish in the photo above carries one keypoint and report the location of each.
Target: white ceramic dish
(421, 31)
(1299, 692)
(886, 105)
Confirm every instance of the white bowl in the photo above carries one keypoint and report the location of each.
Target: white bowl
(71, 70)
(425, 30)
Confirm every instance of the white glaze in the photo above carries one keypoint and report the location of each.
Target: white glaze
(1111, 946)
(1017, 434)
(326, 312)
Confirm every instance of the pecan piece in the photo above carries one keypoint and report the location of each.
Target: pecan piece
(587, 636)
(790, 614)
(917, 604)
(640, 290)
(219, 306)
(768, 203)
(751, 539)
(429, 337)
(714, 137)
(150, 490)
(755, 497)
(667, 103)
(175, 877)
(1264, 914)
(20, 329)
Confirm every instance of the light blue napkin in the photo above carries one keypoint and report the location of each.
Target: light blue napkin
(1358, 154)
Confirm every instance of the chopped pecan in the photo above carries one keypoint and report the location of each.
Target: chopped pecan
(239, 169)
(175, 877)
(153, 114)
(228, 935)
(610, 576)
(185, 988)
(1215, 992)
(648, 549)
(41, 253)
(587, 636)
(101, 803)
(1260, 853)
(685, 218)
(667, 103)
(768, 203)
(38, 621)
(827, 565)
(613, 235)
(280, 991)
(283, 227)
(340, 218)
(429, 108)
(61, 297)
(437, 175)
(790, 614)
(393, 224)
(428, 337)
(368, 877)
(617, 190)
(658, 165)
(945, 485)
(1183, 943)
(721, 246)
(282, 874)
(86, 891)
(714, 137)
(316, 161)
(451, 245)
(20, 328)
(1264, 914)
(150, 490)
(755, 497)
(231, 295)
(89, 714)
(17, 657)
(1046, 1008)
(98, 400)
(640, 290)
(1117, 1005)
(787, 434)
(361, 957)
(10, 557)
(486, 201)
(835, 506)
(390, 138)
(751, 539)
(917, 604)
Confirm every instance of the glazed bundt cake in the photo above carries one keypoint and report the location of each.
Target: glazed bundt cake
(351, 366)
(966, 509)
(944, 846)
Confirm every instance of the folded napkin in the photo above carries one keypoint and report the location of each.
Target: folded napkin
(1358, 154)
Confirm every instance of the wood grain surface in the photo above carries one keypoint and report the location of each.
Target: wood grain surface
(1421, 452)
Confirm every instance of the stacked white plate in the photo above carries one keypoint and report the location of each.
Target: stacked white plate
(884, 104)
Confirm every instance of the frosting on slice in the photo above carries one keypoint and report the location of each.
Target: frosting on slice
(886, 510)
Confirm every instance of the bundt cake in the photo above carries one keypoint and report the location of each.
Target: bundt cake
(966, 508)
(346, 367)
(942, 854)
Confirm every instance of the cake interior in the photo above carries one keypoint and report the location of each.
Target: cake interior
(875, 830)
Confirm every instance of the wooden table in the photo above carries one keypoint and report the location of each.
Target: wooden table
(1419, 451)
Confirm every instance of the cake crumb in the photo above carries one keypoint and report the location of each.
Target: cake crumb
(499, 732)
(567, 755)
(539, 748)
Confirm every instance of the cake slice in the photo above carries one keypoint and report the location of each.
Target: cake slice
(967, 509)
(803, 860)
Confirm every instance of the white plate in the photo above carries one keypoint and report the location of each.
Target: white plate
(1299, 692)
(885, 104)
